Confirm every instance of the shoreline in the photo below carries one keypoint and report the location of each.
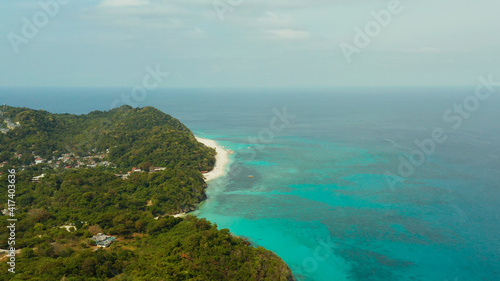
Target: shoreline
(221, 161)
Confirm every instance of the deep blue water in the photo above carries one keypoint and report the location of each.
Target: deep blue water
(320, 197)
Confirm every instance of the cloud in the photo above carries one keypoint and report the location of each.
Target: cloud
(431, 50)
(273, 25)
(428, 50)
(289, 34)
(289, 5)
(122, 3)
(140, 14)
(197, 33)
(273, 19)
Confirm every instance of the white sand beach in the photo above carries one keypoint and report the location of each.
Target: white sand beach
(221, 159)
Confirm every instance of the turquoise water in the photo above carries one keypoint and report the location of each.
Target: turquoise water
(319, 196)
(328, 221)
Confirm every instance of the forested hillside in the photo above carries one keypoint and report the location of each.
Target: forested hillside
(134, 137)
(121, 173)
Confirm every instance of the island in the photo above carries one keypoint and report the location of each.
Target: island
(97, 197)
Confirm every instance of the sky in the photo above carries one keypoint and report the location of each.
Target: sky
(248, 43)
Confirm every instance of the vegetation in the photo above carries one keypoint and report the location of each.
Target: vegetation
(134, 137)
(174, 249)
(151, 245)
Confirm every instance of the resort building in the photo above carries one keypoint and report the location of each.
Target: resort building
(103, 240)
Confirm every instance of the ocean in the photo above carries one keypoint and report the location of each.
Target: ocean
(343, 184)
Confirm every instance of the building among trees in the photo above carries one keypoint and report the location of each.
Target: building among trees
(103, 240)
